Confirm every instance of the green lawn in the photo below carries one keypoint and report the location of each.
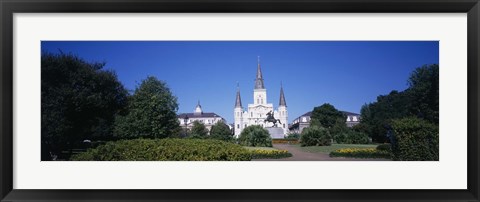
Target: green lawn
(333, 147)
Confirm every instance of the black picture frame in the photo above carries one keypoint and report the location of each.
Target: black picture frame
(10, 7)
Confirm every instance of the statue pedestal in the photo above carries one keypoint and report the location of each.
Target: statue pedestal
(276, 132)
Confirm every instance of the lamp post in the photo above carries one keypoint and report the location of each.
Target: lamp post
(185, 121)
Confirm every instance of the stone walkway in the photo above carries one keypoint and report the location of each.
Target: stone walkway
(299, 155)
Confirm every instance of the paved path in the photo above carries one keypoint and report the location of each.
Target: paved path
(299, 155)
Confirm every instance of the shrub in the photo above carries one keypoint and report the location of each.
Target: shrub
(255, 136)
(414, 139)
(166, 150)
(315, 136)
(351, 137)
(293, 136)
(360, 153)
(384, 147)
(357, 138)
(269, 154)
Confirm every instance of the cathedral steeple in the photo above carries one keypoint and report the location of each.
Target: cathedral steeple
(282, 96)
(259, 78)
(238, 101)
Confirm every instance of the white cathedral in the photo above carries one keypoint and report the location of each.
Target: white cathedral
(257, 112)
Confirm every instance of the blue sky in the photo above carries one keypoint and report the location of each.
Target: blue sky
(346, 74)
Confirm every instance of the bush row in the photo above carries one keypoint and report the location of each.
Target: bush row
(360, 153)
(166, 150)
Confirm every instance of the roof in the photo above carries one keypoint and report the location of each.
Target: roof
(350, 113)
(202, 115)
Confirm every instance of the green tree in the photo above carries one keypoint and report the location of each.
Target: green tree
(79, 100)
(424, 92)
(198, 130)
(151, 112)
(327, 115)
(378, 116)
(221, 131)
(255, 136)
(419, 100)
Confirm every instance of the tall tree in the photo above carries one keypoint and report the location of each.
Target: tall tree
(420, 100)
(198, 130)
(376, 117)
(151, 112)
(327, 115)
(221, 131)
(255, 136)
(79, 100)
(424, 91)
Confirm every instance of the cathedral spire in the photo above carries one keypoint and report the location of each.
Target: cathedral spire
(259, 78)
(282, 96)
(238, 101)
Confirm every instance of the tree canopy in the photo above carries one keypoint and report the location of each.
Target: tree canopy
(151, 112)
(221, 131)
(327, 115)
(419, 100)
(79, 101)
(255, 136)
(198, 130)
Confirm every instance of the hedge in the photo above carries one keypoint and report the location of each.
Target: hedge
(166, 150)
(415, 139)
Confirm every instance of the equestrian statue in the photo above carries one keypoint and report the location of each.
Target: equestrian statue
(271, 118)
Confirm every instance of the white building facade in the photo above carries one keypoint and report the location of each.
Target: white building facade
(207, 118)
(256, 113)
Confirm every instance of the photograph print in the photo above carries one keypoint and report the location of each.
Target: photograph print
(240, 101)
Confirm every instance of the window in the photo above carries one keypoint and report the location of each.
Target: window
(251, 114)
(238, 125)
(283, 125)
